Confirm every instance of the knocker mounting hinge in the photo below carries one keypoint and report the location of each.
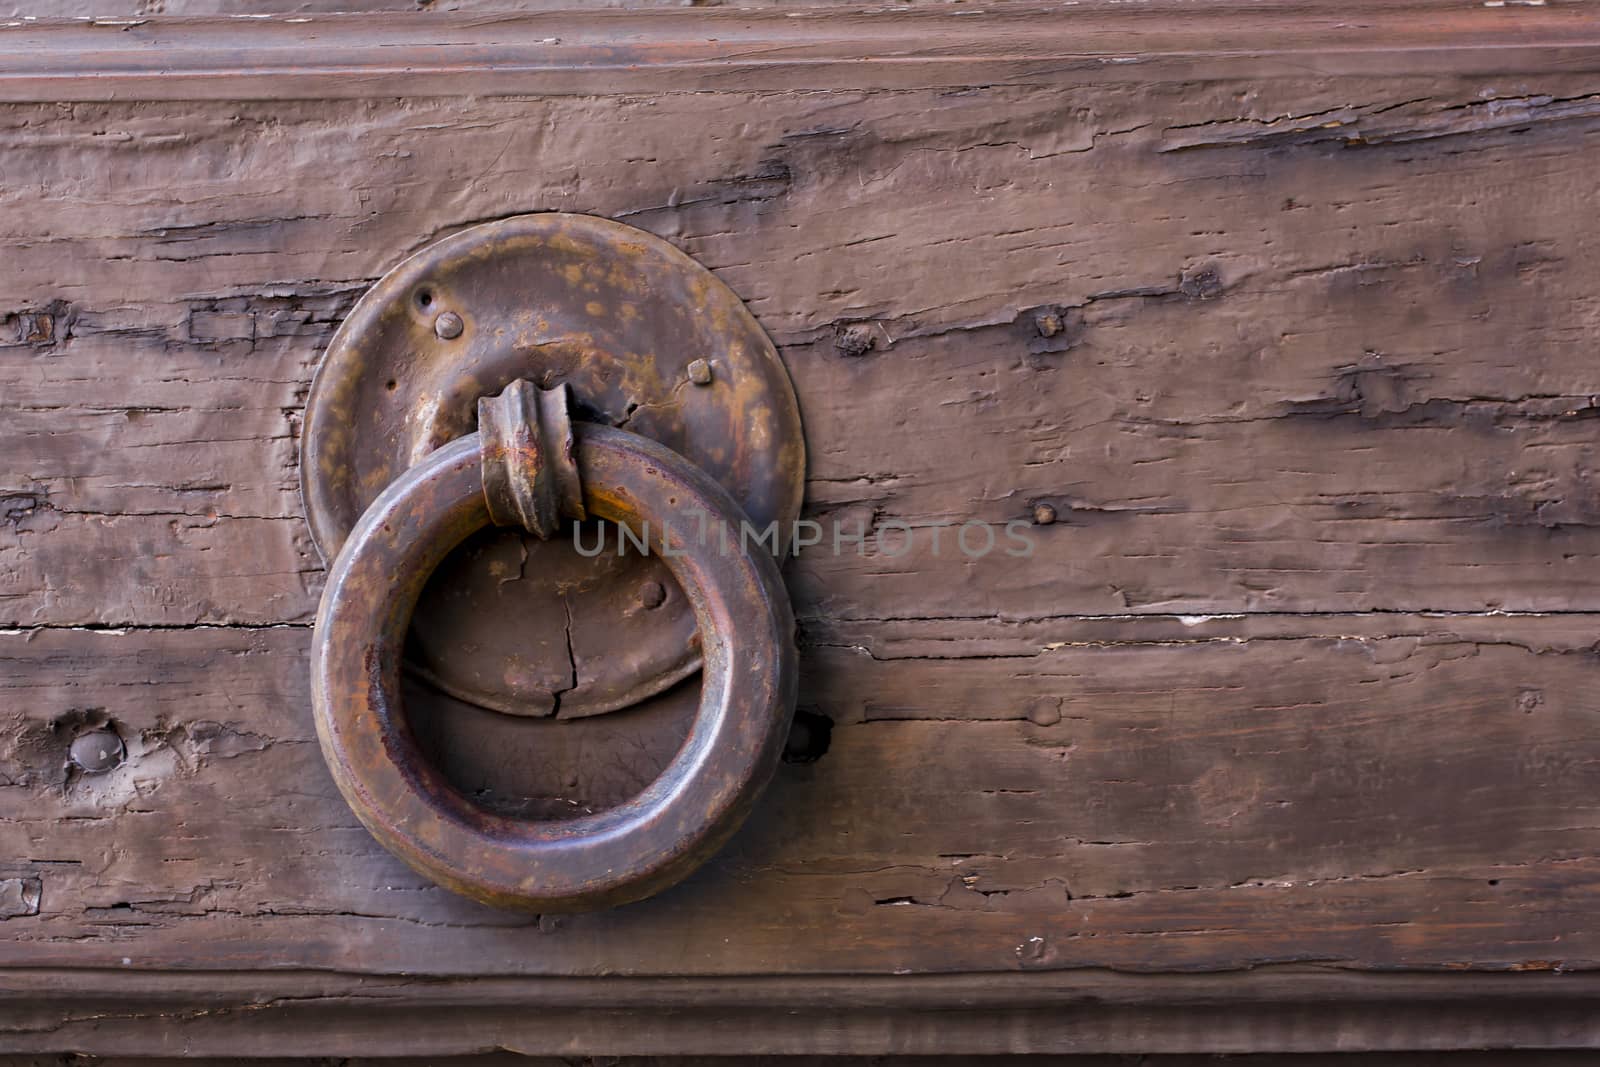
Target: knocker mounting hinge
(530, 466)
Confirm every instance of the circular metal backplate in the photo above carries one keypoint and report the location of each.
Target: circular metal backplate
(648, 340)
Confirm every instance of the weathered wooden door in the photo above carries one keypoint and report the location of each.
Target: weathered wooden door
(1267, 328)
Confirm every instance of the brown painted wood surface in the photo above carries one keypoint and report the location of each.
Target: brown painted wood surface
(776, 46)
(1301, 684)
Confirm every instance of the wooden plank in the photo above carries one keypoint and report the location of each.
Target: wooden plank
(1347, 369)
(307, 1014)
(123, 57)
(1146, 796)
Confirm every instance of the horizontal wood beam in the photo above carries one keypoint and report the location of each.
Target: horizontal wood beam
(1178, 796)
(732, 49)
(1284, 1009)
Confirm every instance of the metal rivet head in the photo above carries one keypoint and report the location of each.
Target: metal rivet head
(96, 751)
(700, 372)
(448, 325)
(1044, 514)
(652, 595)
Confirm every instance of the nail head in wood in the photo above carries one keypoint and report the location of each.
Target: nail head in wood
(96, 751)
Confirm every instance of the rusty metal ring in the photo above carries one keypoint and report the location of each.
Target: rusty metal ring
(599, 860)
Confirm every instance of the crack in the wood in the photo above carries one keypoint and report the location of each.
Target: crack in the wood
(1353, 129)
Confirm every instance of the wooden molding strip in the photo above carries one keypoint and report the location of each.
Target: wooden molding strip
(1289, 1009)
(939, 45)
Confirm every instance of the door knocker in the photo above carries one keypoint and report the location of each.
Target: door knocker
(687, 411)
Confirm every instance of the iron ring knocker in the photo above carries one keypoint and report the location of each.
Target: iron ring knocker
(528, 464)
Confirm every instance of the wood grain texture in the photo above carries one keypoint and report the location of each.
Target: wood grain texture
(779, 47)
(1333, 368)
(1148, 797)
(305, 1016)
(1293, 706)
